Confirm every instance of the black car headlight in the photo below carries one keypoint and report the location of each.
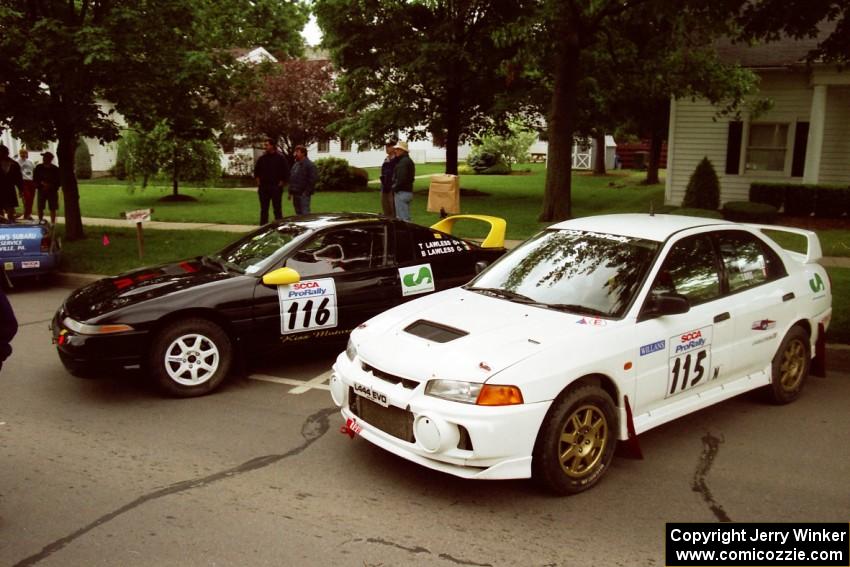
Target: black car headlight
(85, 329)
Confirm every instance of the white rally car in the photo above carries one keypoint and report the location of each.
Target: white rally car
(593, 331)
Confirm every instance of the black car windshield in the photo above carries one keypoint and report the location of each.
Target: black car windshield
(255, 252)
(577, 271)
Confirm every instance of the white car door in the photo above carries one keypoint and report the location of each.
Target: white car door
(680, 356)
(760, 296)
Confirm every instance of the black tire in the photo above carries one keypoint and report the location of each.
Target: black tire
(568, 466)
(790, 367)
(190, 358)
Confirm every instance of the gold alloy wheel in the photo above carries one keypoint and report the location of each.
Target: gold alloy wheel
(583, 441)
(793, 365)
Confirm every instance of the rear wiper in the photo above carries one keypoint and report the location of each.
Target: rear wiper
(505, 294)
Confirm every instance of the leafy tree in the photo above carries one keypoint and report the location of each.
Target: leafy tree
(156, 153)
(559, 37)
(703, 190)
(770, 19)
(653, 56)
(509, 148)
(431, 68)
(289, 104)
(151, 58)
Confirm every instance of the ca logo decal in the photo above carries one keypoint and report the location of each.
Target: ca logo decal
(816, 283)
(424, 274)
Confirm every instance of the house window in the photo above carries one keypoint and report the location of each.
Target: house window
(767, 146)
(344, 145)
(324, 146)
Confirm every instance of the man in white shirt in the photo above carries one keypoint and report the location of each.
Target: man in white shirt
(28, 194)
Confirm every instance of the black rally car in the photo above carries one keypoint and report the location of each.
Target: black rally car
(299, 279)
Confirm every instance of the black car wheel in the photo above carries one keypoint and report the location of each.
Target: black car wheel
(190, 358)
(577, 441)
(790, 367)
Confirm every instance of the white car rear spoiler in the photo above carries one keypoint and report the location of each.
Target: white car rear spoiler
(813, 248)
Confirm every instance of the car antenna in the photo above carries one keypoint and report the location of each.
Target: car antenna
(652, 208)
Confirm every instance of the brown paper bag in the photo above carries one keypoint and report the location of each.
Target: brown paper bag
(444, 194)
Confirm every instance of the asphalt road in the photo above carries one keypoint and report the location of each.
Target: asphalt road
(107, 472)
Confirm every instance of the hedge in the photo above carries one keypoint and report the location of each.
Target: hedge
(746, 211)
(827, 201)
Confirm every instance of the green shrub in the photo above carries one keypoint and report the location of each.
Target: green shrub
(745, 211)
(799, 200)
(119, 170)
(498, 168)
(703, 191)
(82, 160)
(768, 193)
(358, 177)
(479, 161)
(464, 169)
(704, 213)
(336, 175)
(832, 202)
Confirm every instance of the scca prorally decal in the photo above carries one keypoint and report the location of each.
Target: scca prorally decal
(307, 305)
(654, 347)
(816, 283)
(690, 361)
(763, 325)
(691, 340)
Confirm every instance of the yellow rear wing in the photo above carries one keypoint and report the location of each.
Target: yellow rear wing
(495, 238)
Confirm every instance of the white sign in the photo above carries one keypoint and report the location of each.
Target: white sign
(307, 305)
(139, 215)
(416, 279)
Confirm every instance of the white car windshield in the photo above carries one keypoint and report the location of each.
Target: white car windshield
(582, 272)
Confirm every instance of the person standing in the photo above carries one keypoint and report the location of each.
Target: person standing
(8, 326)
(405, 172)
(10, 178)
(302, 181)
(47, 183)
(270, 173)
(387, 169)
(28, 193)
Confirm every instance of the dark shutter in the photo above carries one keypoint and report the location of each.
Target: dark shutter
(801, 138)
(733, 148)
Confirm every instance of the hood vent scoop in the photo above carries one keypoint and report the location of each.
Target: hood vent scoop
(434, 331)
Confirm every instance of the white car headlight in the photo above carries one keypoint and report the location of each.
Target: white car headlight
(84, 329)
(472, 393)
(350, 350)
(454, 390)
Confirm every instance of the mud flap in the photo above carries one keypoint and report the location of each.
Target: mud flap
(818, 366)
(631, 448)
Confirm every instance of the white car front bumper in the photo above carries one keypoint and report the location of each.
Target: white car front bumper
(469, 441)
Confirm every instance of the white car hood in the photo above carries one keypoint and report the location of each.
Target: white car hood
(500, 333)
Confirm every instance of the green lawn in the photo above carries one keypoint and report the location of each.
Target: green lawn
(839, 329)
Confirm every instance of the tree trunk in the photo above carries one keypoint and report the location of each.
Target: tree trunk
(452, 130)
(557, 205)
(599, 154)
(70, 191)
(655, 142)
(175, 172)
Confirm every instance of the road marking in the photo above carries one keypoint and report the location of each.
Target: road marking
(301, 386)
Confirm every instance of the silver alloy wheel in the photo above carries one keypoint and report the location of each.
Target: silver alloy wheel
(191, 360)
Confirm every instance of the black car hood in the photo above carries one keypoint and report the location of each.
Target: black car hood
(130, 288)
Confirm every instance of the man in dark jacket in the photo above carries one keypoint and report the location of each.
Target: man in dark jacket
(302, 181)
(48, 180)
(387, 170)
(10, 178)
(270, 173)
(405, 172)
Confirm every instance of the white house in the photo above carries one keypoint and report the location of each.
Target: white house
(803, 138)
